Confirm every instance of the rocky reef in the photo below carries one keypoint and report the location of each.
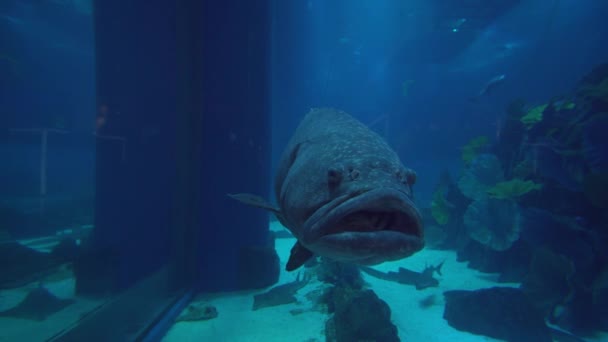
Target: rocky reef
(531, 205)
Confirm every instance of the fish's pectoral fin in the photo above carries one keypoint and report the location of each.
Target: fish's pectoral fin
(255, 201)
(299, 256)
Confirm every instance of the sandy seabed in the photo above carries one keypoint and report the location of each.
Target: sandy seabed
(237, 322)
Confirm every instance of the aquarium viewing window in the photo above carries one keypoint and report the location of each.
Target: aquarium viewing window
(344, 170)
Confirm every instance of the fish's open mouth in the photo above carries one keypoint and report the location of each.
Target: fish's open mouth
(371, 227)
(375, 221)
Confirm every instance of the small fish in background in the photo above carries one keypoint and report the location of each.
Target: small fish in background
(457, 24)
(420, 280)
(280, 294)
(426, 278)
(490, 87)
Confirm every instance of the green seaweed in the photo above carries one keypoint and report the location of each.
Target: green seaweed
(440, 207)
(567, 106)
(473, 148)
(512, 189)
(533, 116)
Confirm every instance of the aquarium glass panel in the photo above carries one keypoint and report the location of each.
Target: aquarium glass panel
(437, 171)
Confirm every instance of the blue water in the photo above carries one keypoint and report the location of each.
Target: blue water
(123, 126)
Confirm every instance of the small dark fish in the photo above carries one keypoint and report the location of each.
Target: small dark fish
(279, 295)
(421, 280)
(490, 87)
(344, 194)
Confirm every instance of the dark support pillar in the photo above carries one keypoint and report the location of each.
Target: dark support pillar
(185, 87)
(187, 204)
(236, 144)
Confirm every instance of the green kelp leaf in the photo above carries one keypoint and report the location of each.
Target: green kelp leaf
(473, 148)
(533, 116)
(440, 207)
(512, 189)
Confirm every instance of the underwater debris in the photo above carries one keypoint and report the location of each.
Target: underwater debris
(483, 173)
(473, 148)
(533, 116)
(512, 189)
(493, 222)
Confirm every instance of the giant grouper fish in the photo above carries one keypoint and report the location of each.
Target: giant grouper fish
(343, 193)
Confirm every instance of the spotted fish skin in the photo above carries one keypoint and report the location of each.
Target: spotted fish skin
(344, 193)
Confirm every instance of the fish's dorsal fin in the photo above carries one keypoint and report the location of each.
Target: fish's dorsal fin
(299, 256)
(254, 201)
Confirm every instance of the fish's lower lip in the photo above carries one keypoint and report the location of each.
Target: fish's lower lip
(382, 200)
(369, 247)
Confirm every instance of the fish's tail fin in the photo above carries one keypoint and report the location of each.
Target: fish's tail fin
(438, 268)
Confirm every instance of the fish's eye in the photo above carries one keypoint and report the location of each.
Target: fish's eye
(334, 176)
(409, 176)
